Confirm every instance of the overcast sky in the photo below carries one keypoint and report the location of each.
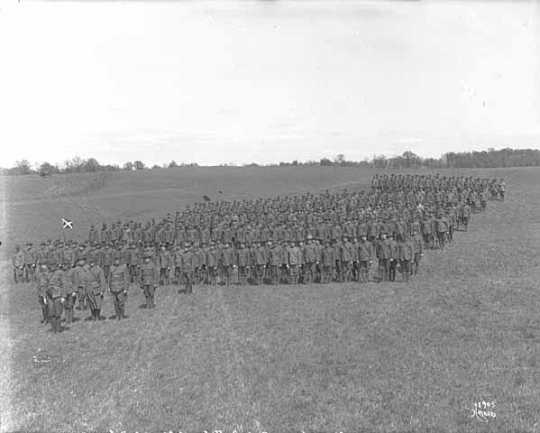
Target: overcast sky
(265, 81)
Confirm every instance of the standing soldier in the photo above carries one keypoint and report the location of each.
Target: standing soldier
(227, 263)
(149, 278)
(133, 262)
(107, 259)
(55, 297)
(406, 257)
(465, 214)
(295, 262)
(243, 263)
(275, 262)
(384, 254)
(427, 231)
(177, 260)
(95, 290)
(442, 230)
(30, 260)
(188, 269)
(260, 261)
(284, 263)
(81, 278)
(418, 251)
(164, 265)
(212, 260)
(197, 264)
(328, 261)
(42, 286)
(309, 261)
(119, 279)
(346, 259)
(394, 258)
(365, 258)
(69, 292)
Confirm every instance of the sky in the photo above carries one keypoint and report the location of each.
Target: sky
(265, 81)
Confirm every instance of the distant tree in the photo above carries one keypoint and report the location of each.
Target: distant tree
(128, 166)
(23, 167)
(410, 159)
(91, 165)
(326, 162)
(173, 164)
(139, 165)
(155, 166)
(47, 169)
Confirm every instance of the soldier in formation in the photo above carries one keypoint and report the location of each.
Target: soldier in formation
(341, 237)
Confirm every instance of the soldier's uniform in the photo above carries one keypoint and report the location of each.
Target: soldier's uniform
(55, 298)
(345, 260)
(275, 263)
(406, 257)
(328, 263)
(30, 260)
(365, 258)
(384, 255)
(212, 261)
(81, 279)
(418, 251)
(70, 293)
(295, 263)
(227, 263)
(164, 259)
(95, 292)
(243, 264)
(42, 286)
(188, 269)
(442, 230)
(119, 279)
(309, 262)
(149, 279)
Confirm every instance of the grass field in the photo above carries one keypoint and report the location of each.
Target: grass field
(348, 357)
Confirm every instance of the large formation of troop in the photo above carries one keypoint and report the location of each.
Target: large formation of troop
(345, 236)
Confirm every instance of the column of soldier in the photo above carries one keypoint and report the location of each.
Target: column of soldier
(345, 236)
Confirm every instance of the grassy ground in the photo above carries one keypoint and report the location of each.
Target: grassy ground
(386, 357)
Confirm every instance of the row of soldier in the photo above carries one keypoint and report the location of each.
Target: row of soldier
(60, 286)
(313, 238)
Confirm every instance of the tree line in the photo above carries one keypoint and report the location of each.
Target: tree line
(478, 159)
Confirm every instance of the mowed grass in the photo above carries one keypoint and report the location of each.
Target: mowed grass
(338, 357)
